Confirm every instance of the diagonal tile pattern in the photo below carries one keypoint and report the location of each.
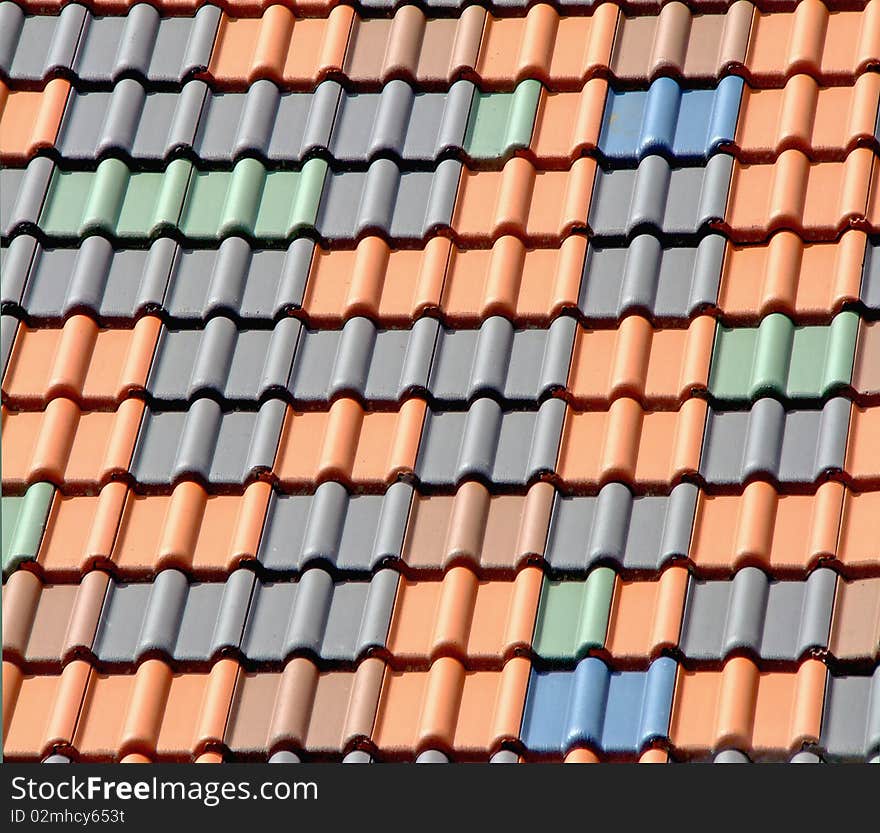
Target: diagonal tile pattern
(440, 382)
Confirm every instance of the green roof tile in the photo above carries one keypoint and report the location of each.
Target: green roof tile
(573, 615)
(501, 122)
(780, 358)
(24, 519)
(115, 201)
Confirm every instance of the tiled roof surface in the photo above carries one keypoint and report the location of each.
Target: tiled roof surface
(440, 382)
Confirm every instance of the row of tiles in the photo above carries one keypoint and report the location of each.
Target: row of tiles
(99, 368)
(581, 450)
(440, 8)
(551, 129)
(208, 536)
(158, 713)
(747, 202)
(413, 621)
(463, 287)
(559, 50)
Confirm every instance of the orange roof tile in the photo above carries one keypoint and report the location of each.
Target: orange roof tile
(815, 200)
(762, 712)
(94, 367)
(823, 122)
(539, 206)
(347, 444)
(297, 52)
(863, 448)
(65, 445)
(778, 533)
(479, 622)
(645, 616)
(568, 124)
(834, 46)
(656, 367)
(559, 51)
(29, 120)
(448, 708)
(651, 449)
(790, 276)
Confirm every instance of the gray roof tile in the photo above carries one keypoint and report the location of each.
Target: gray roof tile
(514, 365)
(186, 284)
(794, 446)
(35, 46)
(223, 361)
(350, 532)
(637, 533)
(170, 616)
(851, 719)
(870, 292)
(267, 621)
(333, 620)
(266, 122)
(8, 329)
(648, 277)
(99, 49)
(503, 447)
(404, 205)
(400, 122)
(378, 365)
(656, 195)
(220, 448)
(777, 620)
(22, 193)
(129, 120)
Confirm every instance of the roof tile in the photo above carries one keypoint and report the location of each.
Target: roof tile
(772, 620)
(450, 709)
(631, 532)
(478, 622)
(822, 122)
(95, 367)
(303, 708)
(855, 626)
(851, 721)
(765, 713)
(65, 445)
(482, 530)
(656, 196)
(781, 359)
(829, 45)
(503, 447)
(347, 444)
(23, 522)
(791, 276)
(625, 442)
(29, 120)
(656, 366)
(334, 528)
(609, 711)
(668, 120)
(568, 124)
(680, 43)
(787, 445)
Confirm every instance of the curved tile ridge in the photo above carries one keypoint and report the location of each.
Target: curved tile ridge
(616, 712)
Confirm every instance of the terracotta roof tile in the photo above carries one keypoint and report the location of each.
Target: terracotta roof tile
(479, 622)
(29, 120)
(832, 46)
(650, 449)
(94, 367)
(764, 713)
(469, 713)
(822, 122)
(855, 628)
